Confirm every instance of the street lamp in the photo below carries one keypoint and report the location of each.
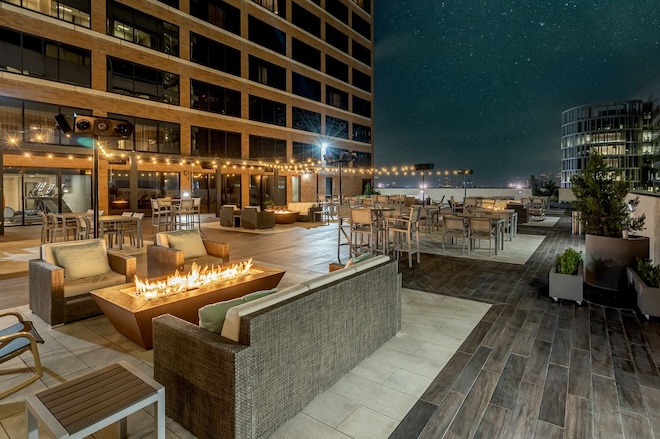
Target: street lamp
(423, 167)
(465, 172)
(339, 160)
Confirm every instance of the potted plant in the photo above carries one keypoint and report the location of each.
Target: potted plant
(600, 195)
(566, 280)
(644, 276)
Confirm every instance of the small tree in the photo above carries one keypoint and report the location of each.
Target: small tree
(369, 190)
(551, 189)
(600, 196)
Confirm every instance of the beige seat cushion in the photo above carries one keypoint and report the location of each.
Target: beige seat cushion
(77, 287)
(188, 241)
(82, 261)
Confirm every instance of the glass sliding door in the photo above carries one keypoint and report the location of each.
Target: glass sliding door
(231, 189)
(203, 186)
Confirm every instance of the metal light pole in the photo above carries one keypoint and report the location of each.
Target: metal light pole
(423, 167)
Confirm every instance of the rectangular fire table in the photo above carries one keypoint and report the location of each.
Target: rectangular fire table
(132, 315)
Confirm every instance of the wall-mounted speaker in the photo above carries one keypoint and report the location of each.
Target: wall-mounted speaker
(94, 126)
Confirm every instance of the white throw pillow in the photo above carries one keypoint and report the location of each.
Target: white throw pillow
(188, 241)
(84, 260)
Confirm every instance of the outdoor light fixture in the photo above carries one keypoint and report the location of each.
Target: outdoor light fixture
(423, 167)
(464, 172)
(332, 158)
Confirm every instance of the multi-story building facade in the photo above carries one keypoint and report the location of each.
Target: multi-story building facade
(231, 99)
(619, 131)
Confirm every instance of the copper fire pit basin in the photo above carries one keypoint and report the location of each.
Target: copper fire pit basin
(132, 315)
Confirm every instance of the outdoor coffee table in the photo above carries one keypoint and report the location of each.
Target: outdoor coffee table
(286, 217)
(87, 404)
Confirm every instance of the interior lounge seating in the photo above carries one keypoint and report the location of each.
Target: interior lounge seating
(253, 218)
(60, 282)
(177, 250)
(267, 363)
(15, 339)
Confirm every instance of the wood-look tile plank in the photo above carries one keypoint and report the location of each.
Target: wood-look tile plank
(525, 412)
(553, 405)
(565, 318)
(506, 391)
(493, 313)
(633, 330)
(607, 424)
(579, 417)
(579, 375)
(441, 385)
(601, 358)
(500, 352)
(647, 371)
(443, 416)
(652, 403)
(466, 379)
(547, 327)
(493, 423)
(580, 334)
(635, 425)
(537, 365)
(526, 337)
(475, 338)
(495, 332)
(548, 431)
(618, 342)
(469, 415)
(627, 386)
(561, 347)
(604, 393)
(598, 327)
(415, 421)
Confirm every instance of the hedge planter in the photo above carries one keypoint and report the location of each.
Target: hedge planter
(567, 286)
(648, 298)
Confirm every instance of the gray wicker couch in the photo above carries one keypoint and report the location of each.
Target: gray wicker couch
(287, 353)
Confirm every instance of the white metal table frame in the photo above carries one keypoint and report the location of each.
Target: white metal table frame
(37, 413)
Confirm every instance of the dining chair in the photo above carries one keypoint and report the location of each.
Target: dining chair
(82, 231)
(454, 227)
(404, 231)
(362, 231)
(47, 228)
(182, 215)
(479, 230)
(343, 228)
(196, 212)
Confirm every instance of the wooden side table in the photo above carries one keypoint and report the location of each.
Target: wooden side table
(87, 404)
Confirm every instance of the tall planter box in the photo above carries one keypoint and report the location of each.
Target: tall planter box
(606, 259)
(567, 286)
(648, 298)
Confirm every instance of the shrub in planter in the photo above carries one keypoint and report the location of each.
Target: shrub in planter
(566, 279)
(644, 276)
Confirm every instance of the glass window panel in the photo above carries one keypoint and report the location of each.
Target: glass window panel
(40, 122)
(10, 51)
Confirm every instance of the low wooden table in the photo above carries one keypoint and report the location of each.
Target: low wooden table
(132, 315)
(87, 404)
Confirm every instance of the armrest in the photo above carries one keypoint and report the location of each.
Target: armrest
(123, 264)
(217, 249)
(12, 313)
(46, 291)
(163, 261)
(203, 373)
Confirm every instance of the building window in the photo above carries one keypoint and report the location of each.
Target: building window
(172, 3)
(266, 148)
(135, 26)
(305, 54)
(361, 53)
(361, 80)
(215, 99)
(41, 58)
(306, 152)
(266, 35)
(267, 111)
(72, 11)
(337, 9)
(267, 73)
(336, 98)
(364, 4)
(361, 133)
(336, 38)
(305, 20)
(207, 142)
(336, 68)
(125, 77)
(361, 107)
(151, 135)
(218, 13)
(306, 120)
(305, 87)
(275, 6)
(336, 127)
(361, 26)
(362, 160)
(216, 55)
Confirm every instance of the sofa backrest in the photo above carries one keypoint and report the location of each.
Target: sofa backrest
(301, 207)
(161, 238)
(48, 255)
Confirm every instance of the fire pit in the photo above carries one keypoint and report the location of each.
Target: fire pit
(285, 217)
(130, 307)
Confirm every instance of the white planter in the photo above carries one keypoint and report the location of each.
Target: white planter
(567, 286)
(648, 298)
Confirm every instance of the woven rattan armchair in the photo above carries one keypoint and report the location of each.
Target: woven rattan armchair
(163, 260)
(251, 218)
(58, 300)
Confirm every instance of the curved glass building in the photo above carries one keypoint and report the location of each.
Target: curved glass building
(620, 131)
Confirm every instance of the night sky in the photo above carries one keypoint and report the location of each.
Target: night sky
(481, 84)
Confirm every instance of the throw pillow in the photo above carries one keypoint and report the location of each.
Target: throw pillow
(356, 260)
(258, 294)
(84, 260)
(212, 317)
(188, 241)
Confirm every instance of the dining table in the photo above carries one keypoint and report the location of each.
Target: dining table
(512, 218)
(496, 223)
(115, 225)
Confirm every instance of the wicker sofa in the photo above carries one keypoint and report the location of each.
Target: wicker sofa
(220, 388)
(58, 297)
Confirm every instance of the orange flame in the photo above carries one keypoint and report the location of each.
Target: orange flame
(179, 283)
